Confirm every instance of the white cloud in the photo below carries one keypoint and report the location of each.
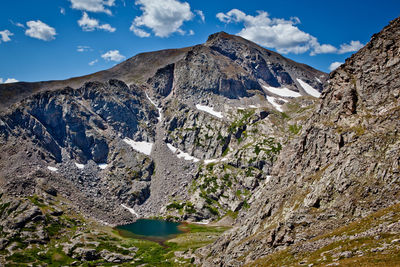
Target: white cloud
(17, 24)
(191, 32)
(352, 47)
(113, 55)
(62, 10)
(9, 80)
(139, 32)
(5, 36)
(91, 63)
(40, 30)
(335, 65)
(201, 15)
(83, 48)
(89, 24)
(280, 34)
(163, 17)
(93, 5)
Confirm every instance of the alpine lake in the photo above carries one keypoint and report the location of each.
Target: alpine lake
(152, 229)
(166, 243)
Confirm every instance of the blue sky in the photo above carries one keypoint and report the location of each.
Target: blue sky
(50, 40)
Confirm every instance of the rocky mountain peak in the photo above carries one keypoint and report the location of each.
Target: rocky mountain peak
(219, 35)
(330, 182)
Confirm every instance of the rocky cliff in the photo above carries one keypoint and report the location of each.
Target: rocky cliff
(110, 146)
(342, 168)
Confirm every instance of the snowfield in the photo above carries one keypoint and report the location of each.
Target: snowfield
(271, 100)
(79, 166)
(130, 210)
(53, 169)
(209, 110)
(102, 166)
(309, 89)
(282, 91)
(160, 115)
(142, 147)
(208, 161)
(180, 154)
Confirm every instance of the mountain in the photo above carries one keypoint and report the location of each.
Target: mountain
(76, 130)
(232, 62)
(224, 132)
(334, 190)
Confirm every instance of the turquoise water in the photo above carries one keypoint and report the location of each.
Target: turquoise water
(156, 230)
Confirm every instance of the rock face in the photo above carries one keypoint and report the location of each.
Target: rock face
(342, 167)
(135, 139)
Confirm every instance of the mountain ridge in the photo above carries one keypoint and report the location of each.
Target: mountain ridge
(137, 69)
(342, 168)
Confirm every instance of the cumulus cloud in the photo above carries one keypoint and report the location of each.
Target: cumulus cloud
(83, 48)
(335, 65)
(40, 30)
(91, 63)
(280, 34)
(201, 15)
(163, 17)
(62, 10)
(93, 5)
(352, 47)
(113, 55)
(89, 24)
(9, 80)
(5, 36)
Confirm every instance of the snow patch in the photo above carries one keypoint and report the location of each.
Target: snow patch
(309, 89)
(79, 166)
(269, 177)
(271, 100)
(53, 169)
(102, 166)
(203, 222)
(130, 210)
(252, 106)
(160, 115)
(209, 110)
(181, 154)
(142, 147)
(282, 91)
(208, 161)
(318, 80)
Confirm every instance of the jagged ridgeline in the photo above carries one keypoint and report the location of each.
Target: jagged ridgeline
(225, 131)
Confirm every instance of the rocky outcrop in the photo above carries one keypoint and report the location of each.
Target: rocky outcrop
(74, 131)
(342, 167)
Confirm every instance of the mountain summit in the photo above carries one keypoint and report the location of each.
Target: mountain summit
(227, 65)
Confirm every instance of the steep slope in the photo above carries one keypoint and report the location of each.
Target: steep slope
(111, 147)
(72, 140)
(344, 166)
